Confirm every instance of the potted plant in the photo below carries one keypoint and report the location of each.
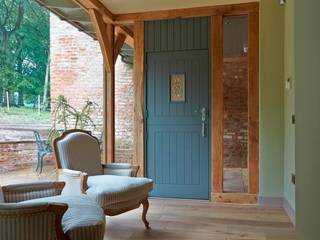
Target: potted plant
(65, 117)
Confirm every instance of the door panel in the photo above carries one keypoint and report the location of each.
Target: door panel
(177, 150)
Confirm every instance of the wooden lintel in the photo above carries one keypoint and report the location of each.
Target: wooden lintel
(120, 39)
(102, 35)
(128, 32)
(138, 82)
(231, 9)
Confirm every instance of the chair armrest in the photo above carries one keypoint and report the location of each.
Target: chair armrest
(121, 169)
(76, 181)
(34, 219)
(28, 191)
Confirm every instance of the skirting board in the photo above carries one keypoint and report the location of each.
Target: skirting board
(270, 202)
(290, 211)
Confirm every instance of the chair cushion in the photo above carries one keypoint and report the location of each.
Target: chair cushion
(110, 190)
(80, 151)
(83, 220)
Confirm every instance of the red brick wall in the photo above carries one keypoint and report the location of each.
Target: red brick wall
(235, 114)
(77, 73)
(124, 112)
(76, 69)
(19, 155)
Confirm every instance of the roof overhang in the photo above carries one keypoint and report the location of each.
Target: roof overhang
(71, 12)
(138, 6)
(125, 12)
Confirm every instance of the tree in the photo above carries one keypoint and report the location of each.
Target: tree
(24, 48)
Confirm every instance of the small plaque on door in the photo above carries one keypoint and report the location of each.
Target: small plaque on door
(177, 88)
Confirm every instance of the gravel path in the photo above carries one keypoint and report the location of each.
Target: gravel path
(21, 132)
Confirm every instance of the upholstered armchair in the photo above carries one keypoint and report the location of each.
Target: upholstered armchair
(37, 211)
(78, 159)
(36, 221)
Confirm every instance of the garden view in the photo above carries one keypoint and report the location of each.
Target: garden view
(24, 62)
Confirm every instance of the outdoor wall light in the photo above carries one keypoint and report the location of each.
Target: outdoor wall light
(282, 2)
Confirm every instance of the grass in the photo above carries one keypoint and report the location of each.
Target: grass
(23, 115)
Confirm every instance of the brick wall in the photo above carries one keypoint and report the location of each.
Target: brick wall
(77, 73)
(235, 114)
(124, 112)
(76, 69)
(19, 155)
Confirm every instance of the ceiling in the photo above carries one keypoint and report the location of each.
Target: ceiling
(133, 6)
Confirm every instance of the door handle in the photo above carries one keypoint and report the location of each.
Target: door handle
(203, 119)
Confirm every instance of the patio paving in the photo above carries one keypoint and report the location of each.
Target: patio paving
(235, 180)
(28, 175)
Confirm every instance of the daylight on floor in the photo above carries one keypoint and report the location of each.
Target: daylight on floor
(142, 119)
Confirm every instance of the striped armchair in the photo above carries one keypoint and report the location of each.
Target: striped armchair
(36, 221)
(78, 159)
(37, 211)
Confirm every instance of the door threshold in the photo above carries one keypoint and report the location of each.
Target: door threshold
(235, 198)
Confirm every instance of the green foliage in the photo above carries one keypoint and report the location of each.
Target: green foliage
(68, 117)
(24, 46)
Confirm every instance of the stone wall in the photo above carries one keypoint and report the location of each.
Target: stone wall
(235, 114)
(77, 73)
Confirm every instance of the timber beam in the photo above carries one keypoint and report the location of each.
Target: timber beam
(108, 17)
(225, 10)
(103, 38)
(106, 14)
(105, 34)
(120, 39)
(128, 33)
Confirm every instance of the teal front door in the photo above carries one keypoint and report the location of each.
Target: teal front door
(177, 123)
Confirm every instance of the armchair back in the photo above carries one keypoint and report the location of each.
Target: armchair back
(27, 191)
(78, 150)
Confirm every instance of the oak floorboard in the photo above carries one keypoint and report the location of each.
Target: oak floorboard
(201, 220)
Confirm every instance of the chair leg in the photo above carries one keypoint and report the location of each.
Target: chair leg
(38, 163)
(145, 204)
(41, 163)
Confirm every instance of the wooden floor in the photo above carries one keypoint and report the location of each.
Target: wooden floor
(186, 219)
(199, 220)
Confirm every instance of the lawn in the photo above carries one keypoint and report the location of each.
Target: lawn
(23, 115)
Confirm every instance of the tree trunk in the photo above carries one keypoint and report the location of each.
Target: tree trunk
(34, 101)
(20, 99)
(46, 84)
(12, 101)
(2, 94)
(19, 69)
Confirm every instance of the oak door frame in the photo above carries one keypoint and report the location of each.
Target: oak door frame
(216, 73)
(217, 67)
